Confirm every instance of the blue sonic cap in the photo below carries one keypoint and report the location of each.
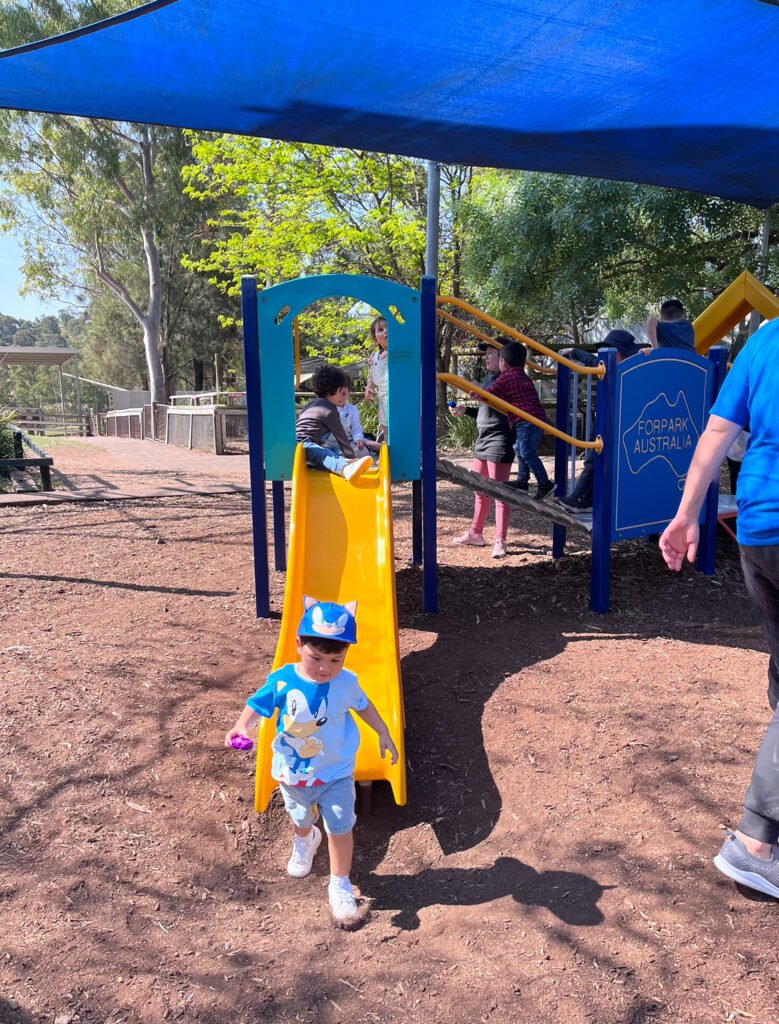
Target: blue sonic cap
(329, 620)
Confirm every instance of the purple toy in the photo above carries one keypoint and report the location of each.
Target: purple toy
(241, 743)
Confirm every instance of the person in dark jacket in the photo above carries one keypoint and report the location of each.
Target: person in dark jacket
(580, 498)
(492, 457)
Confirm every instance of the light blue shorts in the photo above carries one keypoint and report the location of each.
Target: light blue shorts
(334, 801)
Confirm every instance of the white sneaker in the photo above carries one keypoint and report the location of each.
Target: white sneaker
(343, 904)
(499, 548)
(356, 467)
(303, 850)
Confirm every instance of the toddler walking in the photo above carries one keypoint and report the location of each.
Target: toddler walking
(316, 743)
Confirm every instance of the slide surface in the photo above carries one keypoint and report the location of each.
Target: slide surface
(341, 549)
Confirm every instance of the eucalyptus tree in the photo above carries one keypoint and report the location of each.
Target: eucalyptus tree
(99, 205)
(286, 209)
(554, 254)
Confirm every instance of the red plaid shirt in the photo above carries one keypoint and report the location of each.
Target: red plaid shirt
(515, 387)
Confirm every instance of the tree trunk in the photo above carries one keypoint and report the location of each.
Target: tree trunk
(151, 346)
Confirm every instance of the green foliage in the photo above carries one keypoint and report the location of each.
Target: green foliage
(369, 416)
(7, 450)
(284, 209)
(102, 214)
(552, 254)
(458, 433)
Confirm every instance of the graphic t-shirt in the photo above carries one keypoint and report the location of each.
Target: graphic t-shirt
(316, 737)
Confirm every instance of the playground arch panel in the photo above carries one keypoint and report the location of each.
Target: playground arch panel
(277, 308)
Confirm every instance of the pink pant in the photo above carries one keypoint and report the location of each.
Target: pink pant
(494, 471)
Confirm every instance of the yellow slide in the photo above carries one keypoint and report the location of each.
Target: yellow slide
(340, 549)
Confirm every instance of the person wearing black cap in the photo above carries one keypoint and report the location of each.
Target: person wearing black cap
(580, 498)
(493, 456)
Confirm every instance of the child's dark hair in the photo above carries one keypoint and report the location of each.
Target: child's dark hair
(514, 354)
(324, 644)
(672, 309)
(327, 380)
(375, 323)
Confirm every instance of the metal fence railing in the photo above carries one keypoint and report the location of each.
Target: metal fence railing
(203, 427)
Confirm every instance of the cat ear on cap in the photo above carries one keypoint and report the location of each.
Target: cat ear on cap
(309, 602)
(351, 607)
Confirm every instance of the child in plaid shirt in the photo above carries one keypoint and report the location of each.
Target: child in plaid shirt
(515, 387)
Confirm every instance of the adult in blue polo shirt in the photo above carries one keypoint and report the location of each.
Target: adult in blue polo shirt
(749, 395)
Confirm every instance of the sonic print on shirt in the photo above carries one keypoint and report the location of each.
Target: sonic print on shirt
(316, 736)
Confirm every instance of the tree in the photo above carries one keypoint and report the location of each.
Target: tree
(101, 205)
(287, 209)
(553, 254)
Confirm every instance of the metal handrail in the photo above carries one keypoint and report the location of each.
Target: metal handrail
(497, 403)
(486, 338)
(594, 371)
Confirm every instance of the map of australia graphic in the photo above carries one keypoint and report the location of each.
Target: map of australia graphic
(663, 430)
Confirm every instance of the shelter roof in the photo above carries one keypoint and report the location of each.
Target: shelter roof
(29, 355)
(669, 92)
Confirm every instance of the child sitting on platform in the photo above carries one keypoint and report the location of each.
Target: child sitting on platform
(321, 418)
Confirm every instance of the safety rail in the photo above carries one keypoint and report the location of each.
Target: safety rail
(41, 460)
(593, 371)
(470, 329)
(505, 407)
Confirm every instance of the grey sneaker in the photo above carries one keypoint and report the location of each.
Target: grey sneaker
(735, 861)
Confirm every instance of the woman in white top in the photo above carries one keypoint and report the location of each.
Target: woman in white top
(378, 375)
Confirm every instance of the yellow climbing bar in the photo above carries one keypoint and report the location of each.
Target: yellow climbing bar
(470, 329)
(497, 403)
(592, 371)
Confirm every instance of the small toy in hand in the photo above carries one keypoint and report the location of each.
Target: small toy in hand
(241, 743)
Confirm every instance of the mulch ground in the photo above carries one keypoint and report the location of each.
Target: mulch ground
(570, 776)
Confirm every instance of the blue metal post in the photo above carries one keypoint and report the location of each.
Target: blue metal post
(603, 484)
(279, 534)
(707, 545)
(559, 533)
(251, 355)
(416, 522)
(429, 430)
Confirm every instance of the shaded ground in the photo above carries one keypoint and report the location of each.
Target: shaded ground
(569, 777)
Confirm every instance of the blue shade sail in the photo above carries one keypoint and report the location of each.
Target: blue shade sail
(683, 93)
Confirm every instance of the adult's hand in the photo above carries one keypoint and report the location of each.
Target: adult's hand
(680, 539)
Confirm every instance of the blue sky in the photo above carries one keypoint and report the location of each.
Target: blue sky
(11, 303)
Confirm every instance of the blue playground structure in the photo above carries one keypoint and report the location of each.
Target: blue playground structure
(648, 414)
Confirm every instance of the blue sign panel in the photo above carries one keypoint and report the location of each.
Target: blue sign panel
(662, 401)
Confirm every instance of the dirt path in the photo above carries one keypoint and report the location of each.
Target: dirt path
(569, 778)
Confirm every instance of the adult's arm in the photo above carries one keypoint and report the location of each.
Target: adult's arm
(681, 536)
(580, 355)
(651, 330)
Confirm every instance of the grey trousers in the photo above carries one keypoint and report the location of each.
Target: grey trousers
(760, 820)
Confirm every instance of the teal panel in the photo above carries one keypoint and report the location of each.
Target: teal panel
(277, 364)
